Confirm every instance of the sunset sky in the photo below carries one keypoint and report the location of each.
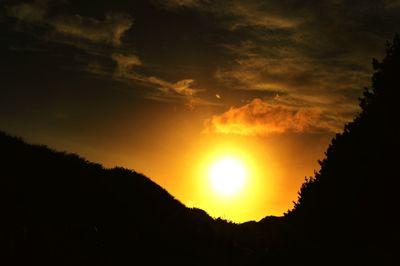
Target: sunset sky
(170, 87)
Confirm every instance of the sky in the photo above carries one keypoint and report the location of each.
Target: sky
(168, 87)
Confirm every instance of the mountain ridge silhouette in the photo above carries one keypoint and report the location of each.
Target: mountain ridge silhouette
(63, 209)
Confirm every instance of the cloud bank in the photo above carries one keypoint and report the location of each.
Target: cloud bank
(314, 54)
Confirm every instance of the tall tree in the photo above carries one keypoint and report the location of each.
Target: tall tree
(349, 209)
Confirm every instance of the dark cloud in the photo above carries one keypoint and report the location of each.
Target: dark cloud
(73, 29)
(173, 4)
(392, 4)
(313, 54)
(109, 30)
(29, 12)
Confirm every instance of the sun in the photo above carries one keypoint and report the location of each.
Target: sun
(227, 176)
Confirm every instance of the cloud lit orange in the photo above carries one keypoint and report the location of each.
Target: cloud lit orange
(263, 118)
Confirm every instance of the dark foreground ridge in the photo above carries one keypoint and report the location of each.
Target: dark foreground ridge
(58, 209)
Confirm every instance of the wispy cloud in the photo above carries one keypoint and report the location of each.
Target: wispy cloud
(182, 90)
(180, 3)
(236, 13)
(125, 63)
(258, 14)
(316, 53)
(392, 3)
(110, 30)
(183, 87)
(29, 12)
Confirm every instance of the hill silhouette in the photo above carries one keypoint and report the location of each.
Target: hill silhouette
(59, 209)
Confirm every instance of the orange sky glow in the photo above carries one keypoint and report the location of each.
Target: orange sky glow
(170, 88)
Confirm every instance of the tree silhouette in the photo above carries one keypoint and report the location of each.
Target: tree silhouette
(348, 211)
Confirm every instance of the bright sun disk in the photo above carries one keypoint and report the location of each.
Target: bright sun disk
(227, 176)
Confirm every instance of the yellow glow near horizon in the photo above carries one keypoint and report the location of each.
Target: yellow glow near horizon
(227, 176)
